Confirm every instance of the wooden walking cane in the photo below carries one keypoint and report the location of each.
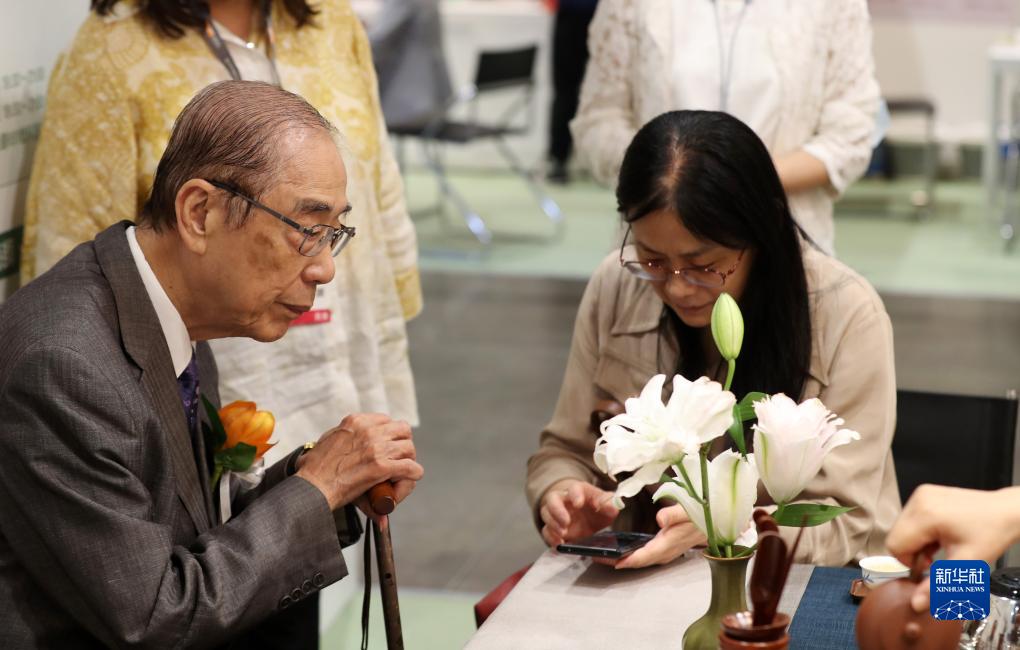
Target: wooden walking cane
(383, 501)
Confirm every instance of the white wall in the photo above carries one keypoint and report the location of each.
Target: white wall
(943, 60)
(32, 33)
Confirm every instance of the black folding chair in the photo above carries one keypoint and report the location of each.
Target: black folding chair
(923, 200)
(498, 71)
(956, 440)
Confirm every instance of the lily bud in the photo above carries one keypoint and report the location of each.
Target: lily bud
(727, 326)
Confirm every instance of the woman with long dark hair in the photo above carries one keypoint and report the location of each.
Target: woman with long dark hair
(706, 213)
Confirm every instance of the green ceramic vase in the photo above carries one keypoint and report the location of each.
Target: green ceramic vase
(729, 594)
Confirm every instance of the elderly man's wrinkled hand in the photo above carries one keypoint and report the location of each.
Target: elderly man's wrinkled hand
(365, 449)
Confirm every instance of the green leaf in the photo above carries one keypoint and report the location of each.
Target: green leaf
(744, 550)
(237, 458)
(809, 514)
(217, 433)
(745, 408)
(737, 431)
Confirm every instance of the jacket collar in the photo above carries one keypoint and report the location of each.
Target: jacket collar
(639, 310)
(144, 342)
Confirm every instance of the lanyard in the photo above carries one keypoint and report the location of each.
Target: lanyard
(726, 62)
(219, 48)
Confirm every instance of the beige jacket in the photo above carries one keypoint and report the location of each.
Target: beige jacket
(613, 354)
(829, 93)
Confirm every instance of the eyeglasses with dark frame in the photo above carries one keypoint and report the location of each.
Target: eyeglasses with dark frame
(699, 276)
(315, 237)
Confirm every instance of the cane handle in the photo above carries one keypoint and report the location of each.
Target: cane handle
(382, 498)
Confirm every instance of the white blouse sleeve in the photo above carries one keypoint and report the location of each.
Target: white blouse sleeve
(606, 120)
(842, 140)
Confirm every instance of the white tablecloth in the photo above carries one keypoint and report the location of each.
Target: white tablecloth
(566, 601)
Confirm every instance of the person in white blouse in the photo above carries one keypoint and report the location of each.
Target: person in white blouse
(798, 72)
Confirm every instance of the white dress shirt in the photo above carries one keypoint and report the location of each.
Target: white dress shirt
(174, 330)
(250, 58)
(702, 62)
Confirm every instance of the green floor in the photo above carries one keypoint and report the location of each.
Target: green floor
(953, 251)
(429, 619)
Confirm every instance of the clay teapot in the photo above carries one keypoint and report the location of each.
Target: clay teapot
(886, 621)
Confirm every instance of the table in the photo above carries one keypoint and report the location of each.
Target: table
(567, 601)
(1004, 67)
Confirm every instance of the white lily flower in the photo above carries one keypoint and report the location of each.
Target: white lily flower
(650, 435)
(791, 440)
(732, 491)
(748, 538)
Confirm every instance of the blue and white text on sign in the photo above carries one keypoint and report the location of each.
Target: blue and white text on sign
(959, 590)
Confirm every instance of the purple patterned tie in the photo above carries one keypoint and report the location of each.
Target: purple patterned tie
(187, 383)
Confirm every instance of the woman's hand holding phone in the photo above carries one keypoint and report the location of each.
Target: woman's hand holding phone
(676, 535)
(573, 509)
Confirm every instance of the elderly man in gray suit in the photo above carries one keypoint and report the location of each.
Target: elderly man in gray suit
(108, 532)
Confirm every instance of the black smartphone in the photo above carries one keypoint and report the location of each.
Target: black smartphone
(608, 543)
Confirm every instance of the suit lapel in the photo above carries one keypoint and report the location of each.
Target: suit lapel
(144, 342)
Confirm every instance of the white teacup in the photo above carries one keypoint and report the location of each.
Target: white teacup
(878, 569)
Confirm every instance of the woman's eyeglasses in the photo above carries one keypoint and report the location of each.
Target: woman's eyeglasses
(657, 271)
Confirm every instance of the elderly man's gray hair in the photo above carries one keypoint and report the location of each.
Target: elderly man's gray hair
(228, 132)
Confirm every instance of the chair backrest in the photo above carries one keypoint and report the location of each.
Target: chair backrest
(506, 68)
(956, 440)
(911, 105)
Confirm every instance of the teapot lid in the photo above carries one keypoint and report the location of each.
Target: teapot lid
(1006, 583)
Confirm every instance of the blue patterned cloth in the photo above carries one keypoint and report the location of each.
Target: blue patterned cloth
(187, 384)
(825, 617)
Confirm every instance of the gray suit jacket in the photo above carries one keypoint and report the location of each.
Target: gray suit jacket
(106, 520)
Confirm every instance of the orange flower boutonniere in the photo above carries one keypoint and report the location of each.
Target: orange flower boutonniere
(237, 435)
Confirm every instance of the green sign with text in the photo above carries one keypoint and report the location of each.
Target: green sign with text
(10, 252)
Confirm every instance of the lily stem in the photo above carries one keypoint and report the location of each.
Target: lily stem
(690, 486)
(731, 369)
(713, 546)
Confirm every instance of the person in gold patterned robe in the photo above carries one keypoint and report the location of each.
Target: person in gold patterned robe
(112, 99)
